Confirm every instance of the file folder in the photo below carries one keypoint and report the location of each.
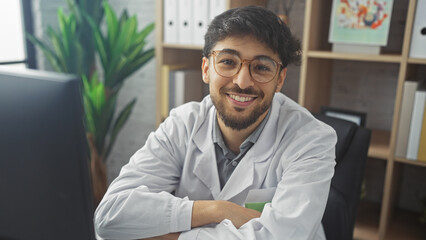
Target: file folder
(170, 21)
(185, 22)
(418, 35)
(217, 7)
(200, 13)
(188, 86)
(406, 113)
(416, 123)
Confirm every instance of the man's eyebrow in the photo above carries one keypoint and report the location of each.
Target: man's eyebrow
(233, 51)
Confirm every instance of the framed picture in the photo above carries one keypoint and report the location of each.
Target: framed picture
(360, 22)
(352, 116)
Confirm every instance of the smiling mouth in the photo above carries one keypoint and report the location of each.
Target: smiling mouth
(241, 98)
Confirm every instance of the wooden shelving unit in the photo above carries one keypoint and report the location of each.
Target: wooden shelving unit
(379, 147)
(374, 221)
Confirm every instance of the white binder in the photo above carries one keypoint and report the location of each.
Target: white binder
(170, 21)
(217, 7)
(185, 22)
(405, 115)
(418, 36)
(200, 14)
(416, 124)
(188, 86)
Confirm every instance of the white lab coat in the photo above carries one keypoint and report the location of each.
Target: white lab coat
(294, 156)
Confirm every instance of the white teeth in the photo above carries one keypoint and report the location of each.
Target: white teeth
(241, 99)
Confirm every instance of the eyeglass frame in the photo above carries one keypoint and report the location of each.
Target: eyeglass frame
(215, 52)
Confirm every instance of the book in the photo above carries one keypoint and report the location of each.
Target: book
(360, 22)
(405, 114)
(416, 123)
(421, 156)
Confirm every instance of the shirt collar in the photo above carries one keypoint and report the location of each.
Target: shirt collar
(218, 138)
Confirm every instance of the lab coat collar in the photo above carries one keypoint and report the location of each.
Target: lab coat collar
(206, 167)
(255, 159)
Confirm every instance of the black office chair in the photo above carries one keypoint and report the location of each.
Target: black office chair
(351, 154)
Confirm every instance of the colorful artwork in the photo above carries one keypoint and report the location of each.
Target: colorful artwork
(360, 21)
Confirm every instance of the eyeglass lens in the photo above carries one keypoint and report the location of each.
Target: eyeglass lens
(262, 69)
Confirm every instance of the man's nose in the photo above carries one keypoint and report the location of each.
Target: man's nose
(243, 78)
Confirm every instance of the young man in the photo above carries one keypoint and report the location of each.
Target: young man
(192, 177)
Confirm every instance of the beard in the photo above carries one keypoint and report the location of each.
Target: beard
(237, 122)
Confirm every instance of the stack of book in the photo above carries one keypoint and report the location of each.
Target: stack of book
(411, 138)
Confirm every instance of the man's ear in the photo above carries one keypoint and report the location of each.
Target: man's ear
(281, 78)
(205, 70)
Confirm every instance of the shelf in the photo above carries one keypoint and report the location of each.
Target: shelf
(379, 145)
(410, 162)
(391, 58)
(417, 60)
(405, 225)
(182, 46)
(367, 221)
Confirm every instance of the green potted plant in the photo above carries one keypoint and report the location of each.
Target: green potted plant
(121, 50)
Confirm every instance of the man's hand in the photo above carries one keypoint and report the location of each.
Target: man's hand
(206, 212)
(237, 214)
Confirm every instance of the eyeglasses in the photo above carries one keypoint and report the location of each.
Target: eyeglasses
(262, 69)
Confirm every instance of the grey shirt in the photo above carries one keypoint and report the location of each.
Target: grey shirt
(226, 160)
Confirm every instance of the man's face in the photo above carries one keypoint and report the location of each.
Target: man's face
(240, 100)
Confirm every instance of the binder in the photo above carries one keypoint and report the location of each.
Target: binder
(418, 35)
(217, 7)
(170, 21)
(407, 103)
(167, 88)
(188, 86)
(416, 124)
(185, 22)
(200, 13)
(421, 156)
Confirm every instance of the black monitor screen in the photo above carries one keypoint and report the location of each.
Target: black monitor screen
(45, 188)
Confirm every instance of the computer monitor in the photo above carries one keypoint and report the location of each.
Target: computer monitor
(45, 190)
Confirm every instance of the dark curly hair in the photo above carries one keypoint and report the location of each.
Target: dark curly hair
(258, 22)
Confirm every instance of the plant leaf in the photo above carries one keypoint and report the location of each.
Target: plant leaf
(112, 23)
(49, 53)
(119, 123)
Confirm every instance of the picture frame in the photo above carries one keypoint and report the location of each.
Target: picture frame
(361, 22)
(356, 117)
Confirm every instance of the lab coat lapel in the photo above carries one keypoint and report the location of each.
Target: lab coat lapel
(205, 167)
(252, 169)
(253, 166)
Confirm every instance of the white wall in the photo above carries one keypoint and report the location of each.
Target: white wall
(141, 84)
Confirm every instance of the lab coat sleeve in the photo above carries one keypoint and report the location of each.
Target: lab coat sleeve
(299, 202)
(138, 204)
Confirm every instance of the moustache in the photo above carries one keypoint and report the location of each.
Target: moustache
(236, 89)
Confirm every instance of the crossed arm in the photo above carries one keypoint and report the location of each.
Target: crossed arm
(214, 211)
